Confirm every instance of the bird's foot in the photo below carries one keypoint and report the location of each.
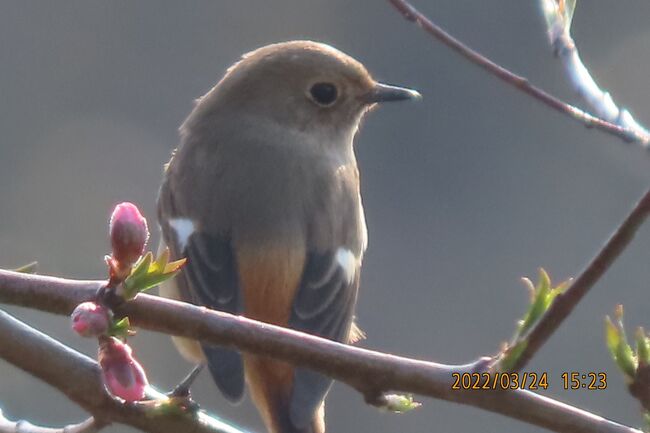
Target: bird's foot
(181, 396)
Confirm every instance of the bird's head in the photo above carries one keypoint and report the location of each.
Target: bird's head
(302, 85)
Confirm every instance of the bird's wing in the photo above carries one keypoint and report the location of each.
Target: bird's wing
(209, 278)
(324, 306)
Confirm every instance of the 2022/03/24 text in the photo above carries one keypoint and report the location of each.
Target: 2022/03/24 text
(527, 380)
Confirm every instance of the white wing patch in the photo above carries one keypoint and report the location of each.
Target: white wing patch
(346, 259)
(184, 228)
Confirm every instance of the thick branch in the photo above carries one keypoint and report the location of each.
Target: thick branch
(517, 81)
(566, 302)
(78, 377)
(369, 372)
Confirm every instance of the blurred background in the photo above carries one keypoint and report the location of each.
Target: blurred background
(465, 192)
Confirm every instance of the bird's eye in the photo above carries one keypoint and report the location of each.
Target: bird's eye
(324, 93)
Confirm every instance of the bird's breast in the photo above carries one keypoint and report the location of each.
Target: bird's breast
(270, 274)
(279, 203)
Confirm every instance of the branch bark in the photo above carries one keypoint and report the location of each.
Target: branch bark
(517, 81)
(370, 372)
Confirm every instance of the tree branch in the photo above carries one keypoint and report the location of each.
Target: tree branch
(78, 377)
(517, 81)
(6, 426)
(564, 47)
(370, 372)
(564, 303)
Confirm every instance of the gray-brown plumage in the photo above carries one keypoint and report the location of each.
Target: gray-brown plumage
(262, 197)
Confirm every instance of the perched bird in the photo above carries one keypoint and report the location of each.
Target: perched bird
(262, 197)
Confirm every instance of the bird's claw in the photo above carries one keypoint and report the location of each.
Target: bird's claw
(182, 390)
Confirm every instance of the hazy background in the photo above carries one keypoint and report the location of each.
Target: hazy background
(465, 192)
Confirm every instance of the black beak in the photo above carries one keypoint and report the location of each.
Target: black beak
(385, 93)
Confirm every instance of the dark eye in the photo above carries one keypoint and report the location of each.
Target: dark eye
(324, 93)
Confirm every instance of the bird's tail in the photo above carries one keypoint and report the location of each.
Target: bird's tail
(317, 424)
(270, 383)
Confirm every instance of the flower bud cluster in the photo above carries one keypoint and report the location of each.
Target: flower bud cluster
(121, 373)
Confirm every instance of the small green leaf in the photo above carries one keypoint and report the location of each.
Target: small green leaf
(642, 347)
(142, 266)
(152, 280)
(121, 328)
(122, 323)
(530, 287)
(175, 266)
(149, 273)
(612, 337)
(544, 280)
(399, 403)
(542, 296)
(511, 356)
(534, 312)
(558, 290)
(139, 271)
(625, 353)
(29, 268)
(618, 346)
(163, 259)
(625, 359)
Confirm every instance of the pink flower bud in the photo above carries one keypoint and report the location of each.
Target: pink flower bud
(90, 319)
(122, 374)
(129, 234)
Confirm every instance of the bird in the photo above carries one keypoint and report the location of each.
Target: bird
(262, 197)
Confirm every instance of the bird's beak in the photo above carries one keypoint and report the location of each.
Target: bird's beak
(385, 93)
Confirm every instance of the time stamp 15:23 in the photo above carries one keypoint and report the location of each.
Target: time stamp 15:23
(527, 380)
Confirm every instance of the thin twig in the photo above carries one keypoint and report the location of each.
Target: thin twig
(517, 81)
(370, 372)
(564, 47)
(78, 377)
(566, 302)
(6, 426)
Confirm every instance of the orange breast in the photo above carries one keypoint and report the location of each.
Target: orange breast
(269, 276)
